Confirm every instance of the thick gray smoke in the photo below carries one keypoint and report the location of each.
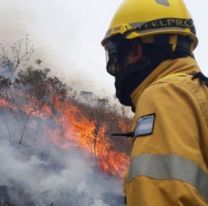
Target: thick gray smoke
(40, 173)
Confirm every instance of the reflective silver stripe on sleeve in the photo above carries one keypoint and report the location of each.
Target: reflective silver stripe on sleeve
(170, 167)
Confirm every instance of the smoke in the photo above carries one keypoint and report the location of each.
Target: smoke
(39, 172)
(66, 39)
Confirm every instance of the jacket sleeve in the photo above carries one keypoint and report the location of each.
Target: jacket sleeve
(167, 166)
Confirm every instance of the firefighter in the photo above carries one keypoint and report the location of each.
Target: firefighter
(149, 48)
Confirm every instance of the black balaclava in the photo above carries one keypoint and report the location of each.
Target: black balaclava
(133, 75)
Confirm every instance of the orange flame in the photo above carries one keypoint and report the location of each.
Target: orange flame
(78, 130)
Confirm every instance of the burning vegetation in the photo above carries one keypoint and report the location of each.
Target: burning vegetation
(47, 128)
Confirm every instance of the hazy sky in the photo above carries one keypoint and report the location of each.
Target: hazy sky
(67, 34)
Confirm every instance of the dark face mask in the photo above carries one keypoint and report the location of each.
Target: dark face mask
(129, 78)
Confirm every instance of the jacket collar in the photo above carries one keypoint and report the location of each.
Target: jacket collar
(172, 66)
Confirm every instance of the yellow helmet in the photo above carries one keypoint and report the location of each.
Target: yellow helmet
(147, 18)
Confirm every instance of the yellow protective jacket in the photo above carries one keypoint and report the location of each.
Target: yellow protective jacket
(169, 159)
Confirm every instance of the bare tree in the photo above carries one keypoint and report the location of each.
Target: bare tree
(38, 90)
(18, 54)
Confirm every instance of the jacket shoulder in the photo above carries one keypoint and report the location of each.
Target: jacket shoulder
(182, 79)
(172, 90)
(184, 83)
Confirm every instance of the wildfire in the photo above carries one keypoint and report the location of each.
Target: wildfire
(81, 131)
(77, 129)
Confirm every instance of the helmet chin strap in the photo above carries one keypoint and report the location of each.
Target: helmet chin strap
(130, 77)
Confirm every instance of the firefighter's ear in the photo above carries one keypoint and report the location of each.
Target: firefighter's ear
(135, 53)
